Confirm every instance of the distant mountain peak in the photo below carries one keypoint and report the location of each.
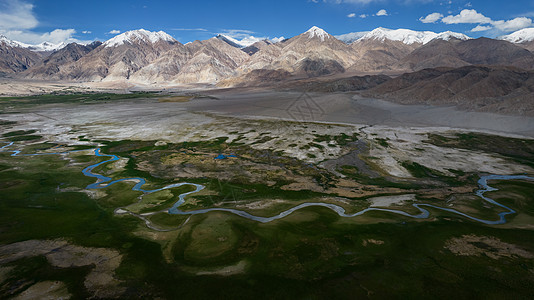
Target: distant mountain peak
(47, 46)
(409, 37)
(4, 39)
(44, 46)
(317, 32)
(447, 35)
(247, 41)
(140, 35)
(351, 37)
(521, 36)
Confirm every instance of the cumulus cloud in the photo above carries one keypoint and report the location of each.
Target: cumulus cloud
(351, 15)
(513, 25)
(471, 16)
(363, 16)
(17, 15)
(467, 16)
(17, 21)
(431, 18)
(481, 28)
(382, 12)
(114, 31)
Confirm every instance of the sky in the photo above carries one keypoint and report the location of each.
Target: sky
(36, 21)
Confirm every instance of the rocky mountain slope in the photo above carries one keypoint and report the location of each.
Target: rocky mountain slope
(312, 53)
(382, 49)
(458, 53)
(51, 64)
(14, 58)
(206, 61)
(496, 89)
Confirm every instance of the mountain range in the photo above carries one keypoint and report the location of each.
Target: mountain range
(436, 67)
(147, 57)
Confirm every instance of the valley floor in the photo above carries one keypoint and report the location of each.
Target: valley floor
(263, 153)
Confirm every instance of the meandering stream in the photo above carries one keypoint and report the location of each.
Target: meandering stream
(104, 181)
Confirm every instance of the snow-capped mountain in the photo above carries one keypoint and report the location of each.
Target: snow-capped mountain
(311, 53)
(409, 37)
(351, 37)
(145, 56)
(11, 43)
(14, 57)
(44, 46)
(447, 35)
(140, 35)
(521, 36)
(317, 32)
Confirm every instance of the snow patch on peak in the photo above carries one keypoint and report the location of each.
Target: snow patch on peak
(317, 32)
(409, 37)
(402, 35)
(140, 35)
(448, 35)
(11, 43)
(46, 46)
(521, 36)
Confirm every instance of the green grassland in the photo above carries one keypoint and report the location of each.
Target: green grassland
(312, 254)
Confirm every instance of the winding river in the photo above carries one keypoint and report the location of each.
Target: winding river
(104, 181)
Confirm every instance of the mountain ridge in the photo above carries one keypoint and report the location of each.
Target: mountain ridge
(155, 57)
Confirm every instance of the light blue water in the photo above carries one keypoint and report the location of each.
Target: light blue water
(104, 181)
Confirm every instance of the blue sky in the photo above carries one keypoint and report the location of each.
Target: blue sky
(34, 21)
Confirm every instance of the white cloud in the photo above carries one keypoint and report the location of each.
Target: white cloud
(237, 33)
(351, 15)
(471, 16)
(55, 37)
(431, 18)
(17, 15)
(363, 16)
(513, 25)
(87, 32)
(114, 31)
(382, 12)
(467, 16)
(278, 39)
(481, 28)
(17, 19)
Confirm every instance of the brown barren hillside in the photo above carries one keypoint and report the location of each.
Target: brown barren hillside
(498, 89)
